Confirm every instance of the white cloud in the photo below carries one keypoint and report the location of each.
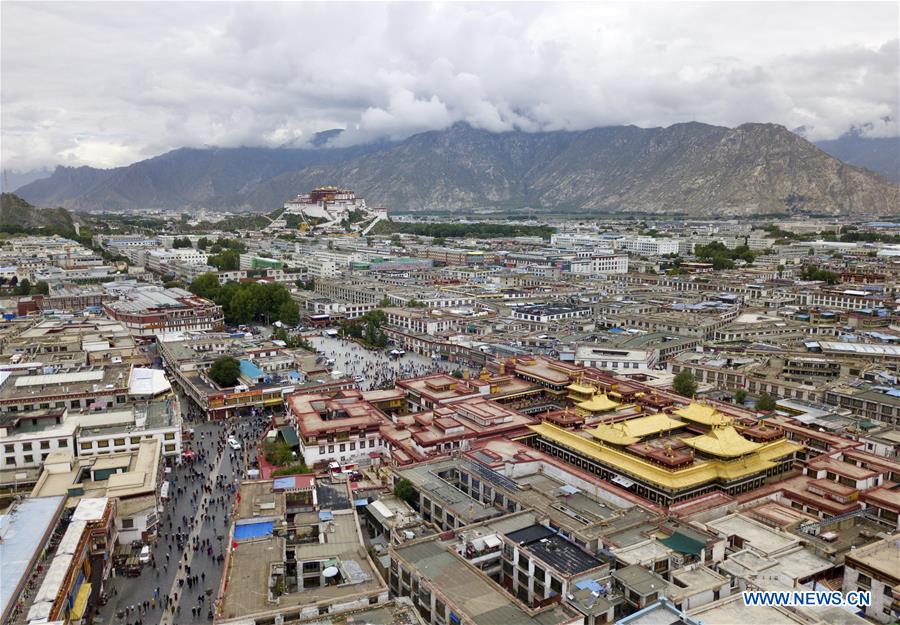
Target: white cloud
(107, 83)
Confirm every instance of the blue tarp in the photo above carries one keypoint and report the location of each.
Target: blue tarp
(590, 584)
(325, 515)
(253, 530)
(616, 330)
(361, 502)
(250, 370)
(283, 483)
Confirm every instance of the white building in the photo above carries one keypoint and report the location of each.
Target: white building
(604, 357)
(648, 246)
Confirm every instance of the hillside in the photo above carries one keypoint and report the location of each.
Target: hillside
(878, 154)
(688, 169)
(17, 215)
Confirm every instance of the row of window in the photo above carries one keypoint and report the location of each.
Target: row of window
(73, 403)
(343, 446)
(60, 443)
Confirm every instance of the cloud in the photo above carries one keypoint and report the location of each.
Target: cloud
(105, 84)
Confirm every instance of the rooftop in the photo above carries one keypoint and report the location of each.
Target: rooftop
(24, 529)
(552, 549)
(471, 595)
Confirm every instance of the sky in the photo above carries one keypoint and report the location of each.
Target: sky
(110, 83)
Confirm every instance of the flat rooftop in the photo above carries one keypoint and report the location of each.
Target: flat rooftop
(554, 550)
(247, 589)
(474, 597)
(23, 530)
(760, 537)
(426, 480)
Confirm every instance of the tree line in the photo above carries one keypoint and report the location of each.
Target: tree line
(244, 302)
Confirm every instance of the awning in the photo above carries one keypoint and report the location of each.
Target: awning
(289, 436)
(568, 489)
(683, 544)
(81, 600)
(623, 481)
(492, 541)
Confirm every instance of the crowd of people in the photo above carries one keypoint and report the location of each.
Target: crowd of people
(377, 372)
(187, 556)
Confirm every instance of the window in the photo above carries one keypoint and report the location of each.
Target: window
(45, 444)
(26, 446)
(85, 446)
(170, 436)
(127, 524)
(864, 581)
(135, 440)
(103, 443)
(119, 441)
(352, 446)
(342, 447)
(28, 458)
(10, 449)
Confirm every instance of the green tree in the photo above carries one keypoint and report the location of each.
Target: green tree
(684, 383)
(202, 243)
(242, 307)
(225, 371)
(206, 285)
(226, 260)
(740, 396)
(403, 489)
(278, 453)
(41, 288)
(24, 287)
(765, 403)
(289, 313)
(291, 469)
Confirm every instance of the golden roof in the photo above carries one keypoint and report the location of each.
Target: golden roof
(704, 414)
(583, 389)
(633, 430)
(724, 442)
(701, 472)
(598, 403)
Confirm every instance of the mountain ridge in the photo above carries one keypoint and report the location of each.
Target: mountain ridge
(692, 168)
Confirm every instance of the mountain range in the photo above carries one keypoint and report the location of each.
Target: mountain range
(691, 169)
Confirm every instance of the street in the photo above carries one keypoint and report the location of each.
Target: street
(193, 532)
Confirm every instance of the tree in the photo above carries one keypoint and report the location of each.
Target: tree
(278, 453)
(289, 313)
(41, 288)
(202, 243)
(403, 489)
(225, 371)
(24, 287)
(181, 243)
(740, 396)
(242, 307)
(227, 260)
(684, 384)
(206, 285)
(765, 403)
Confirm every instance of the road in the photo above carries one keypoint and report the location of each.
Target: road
(207, 521)
(378, 369)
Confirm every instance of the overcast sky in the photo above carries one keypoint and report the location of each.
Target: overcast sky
(106, 84)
